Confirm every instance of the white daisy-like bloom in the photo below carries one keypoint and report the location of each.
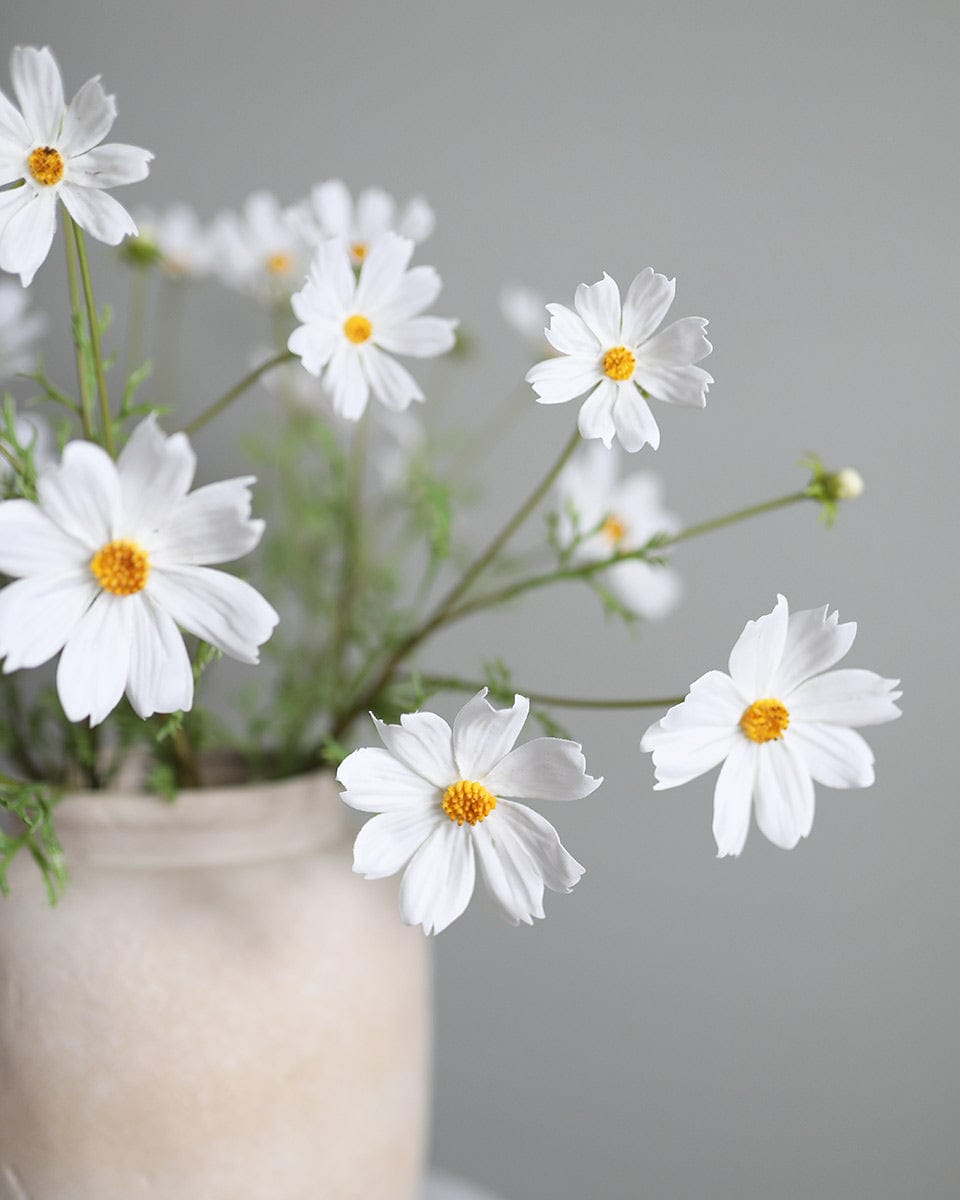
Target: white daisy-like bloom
(53, 150)
(779, 721)
(449, 799)
(185, 247)
(331, 213)
(353, 323)
(260, 250)
(617, 514)
(112, 559)
(522, 308)
(20, 330)
(615, 354)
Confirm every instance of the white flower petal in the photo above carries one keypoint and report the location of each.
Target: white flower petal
(684, 754)
(30, 543)
(94, 665)
(651, 592)
(556, 380)
(546, 768)
(678, 345)
(438, 882)
(210, 525)
(417, 290)
(713, 699)
(559, 870)
(223, 610)
(15, 137)
(569, 334)
(648, 298)
(417, 220)
(846, 697)
(387, 842)
(38, 614)
(375, 213)
(482, 734)
(334, 208)
(633, 420)
(112, 165)
(392, 384)
(376, 780)
(419, 337)
(758, 652)
(28, 233)
(88, 119)
(334, 284)
(155, 473)
(98, 213)
(595, 419)
(160, 677)
(347, 384)
(39, 88)
(599, 306)
(733, 798)
(814, 643)
(382, 271)
(674, 385)
(315, 343)
(784, 795)
(82, 494)
(509, 871)
(424, 743)
(835, 756)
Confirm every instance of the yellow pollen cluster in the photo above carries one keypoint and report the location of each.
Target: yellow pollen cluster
(468, 801)
(121, 567)
(359, 251)
(613, 529)
(46, 165)
(765, 721)
(618, 363)
(357, 329)
(279, 264)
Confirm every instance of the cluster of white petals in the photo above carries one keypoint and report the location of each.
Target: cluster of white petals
(260, 250)
(602, 514)
(614, 353)
(780, 720)
(20, 330)
(186, 248)
(112, 559)
(353, 322)
(331, 212)
(448, 800)
(52, 149)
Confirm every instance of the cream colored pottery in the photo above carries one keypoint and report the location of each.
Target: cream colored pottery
(218, 1009)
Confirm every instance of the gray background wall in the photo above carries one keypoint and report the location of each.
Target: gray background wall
(783, 1025)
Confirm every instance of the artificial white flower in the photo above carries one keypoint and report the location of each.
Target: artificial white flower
(110, 561)
(778, 722)
(448, 799)
(54, 149)
(260, 250)
(185, 247)
(20, 330)
(617, 515)
(331, 213)
(523, 308)
(352, 324)
(618, 357)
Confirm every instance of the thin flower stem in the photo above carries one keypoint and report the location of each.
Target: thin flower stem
(217, 407)
(93, 323)
(451, 683)
(14, 462)
(76, 315)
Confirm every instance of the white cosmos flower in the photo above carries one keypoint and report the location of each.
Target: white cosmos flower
(20, 330)
(331, 213)
(618, 357)
(260, 250)
(778, 722)
(185, 247)
(617, 515)
(448, 799)
(352, 324)
(112, 559)
(522, 308)
(54, 148)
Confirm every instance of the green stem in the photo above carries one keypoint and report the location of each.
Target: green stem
(14, 462)
(451, 683)
(217, 407)
(93, 323)
(76, 316)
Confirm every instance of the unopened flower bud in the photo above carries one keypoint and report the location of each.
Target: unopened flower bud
(848, 484)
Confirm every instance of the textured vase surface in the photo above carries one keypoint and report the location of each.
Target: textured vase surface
(218, 1009)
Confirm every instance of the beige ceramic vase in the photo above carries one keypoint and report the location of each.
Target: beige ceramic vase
(218, 1009)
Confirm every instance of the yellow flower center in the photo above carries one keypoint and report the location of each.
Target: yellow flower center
(468, 801)
(765, 720)
(357, 328)
(279, 264)
(46, 165)
(618, 363)
(613, 529)
(359, 251)
(121, 567)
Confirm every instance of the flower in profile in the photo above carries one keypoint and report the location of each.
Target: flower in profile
(780, 720)
(260, 250)
(448, 799)
(602, 514)
(20, 330)
(53, 151)
(331, 213)
(522, 308)
(112, 559)
(176, 239)
(353, 324)
(616, 355)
